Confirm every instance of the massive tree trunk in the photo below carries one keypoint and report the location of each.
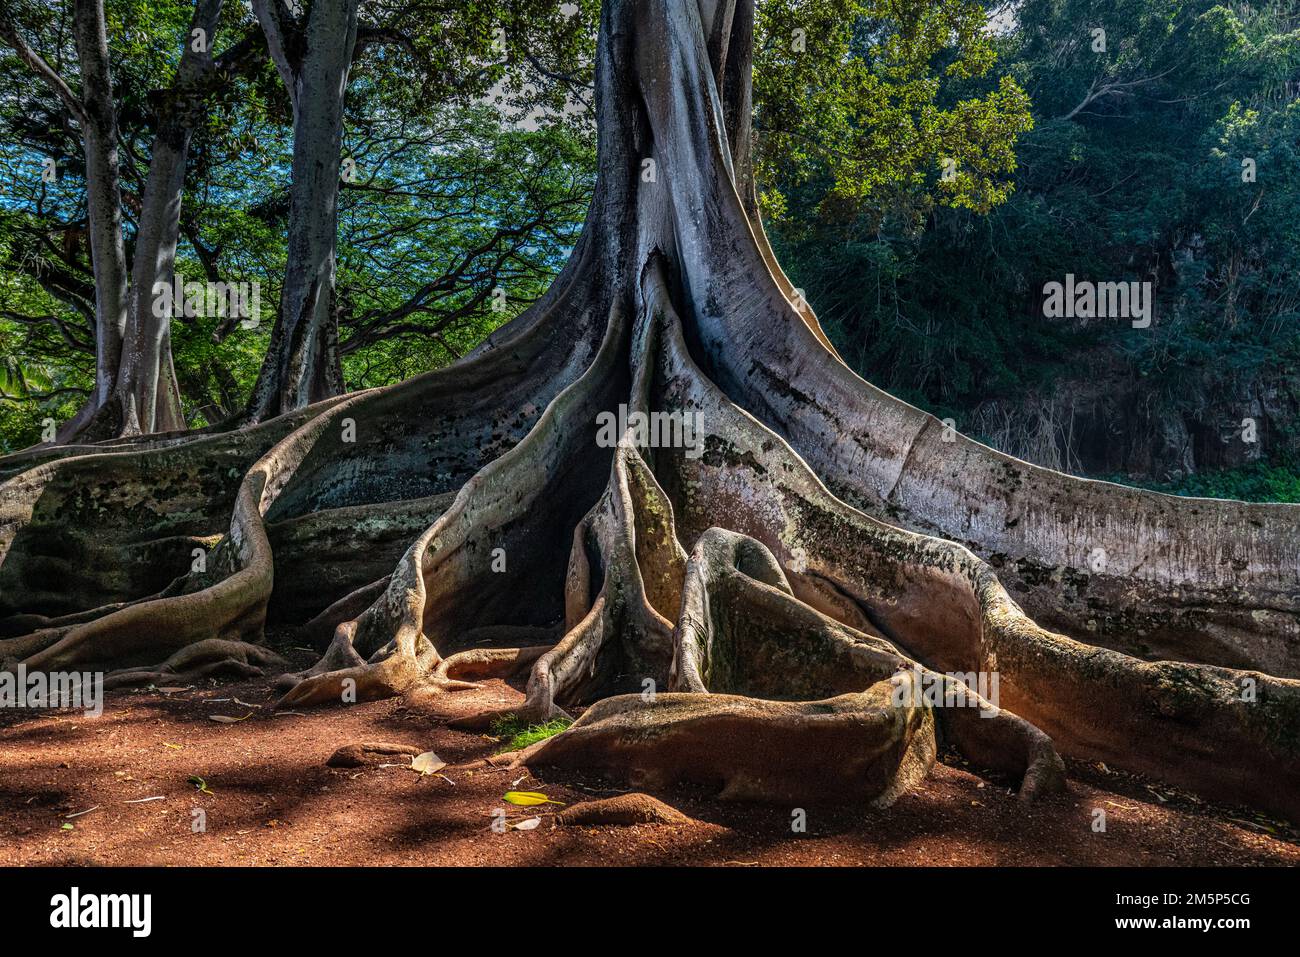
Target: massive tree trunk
(781, 598)
(314, 59)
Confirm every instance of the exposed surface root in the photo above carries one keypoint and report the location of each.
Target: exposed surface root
(133, 533)
(203, 659)
(370, 753)
(855, 745)
(483, 663)
(623, 810)
(445, 582)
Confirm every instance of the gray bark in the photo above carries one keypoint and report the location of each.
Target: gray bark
(103, 194)
(314, 59)
(804, 592)
(146, 387)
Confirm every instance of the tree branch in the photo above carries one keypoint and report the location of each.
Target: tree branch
(279, 25)
(9, 32)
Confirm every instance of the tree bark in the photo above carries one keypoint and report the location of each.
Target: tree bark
(147, 391)
(314, 59)
(103, 203)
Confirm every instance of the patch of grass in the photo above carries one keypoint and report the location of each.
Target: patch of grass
(1248, 483)
(519, 734)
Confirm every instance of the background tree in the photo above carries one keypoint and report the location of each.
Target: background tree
(1136, 169)
(463, 51)
(135, 390)
(419, 157)
(872, 107)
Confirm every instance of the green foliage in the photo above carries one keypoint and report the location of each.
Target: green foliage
(474, 168)
(1258, 482)
(880, 105)
(475, 164)
(518, 734)
(1133, 171)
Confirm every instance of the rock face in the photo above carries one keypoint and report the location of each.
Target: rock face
(1109, 421)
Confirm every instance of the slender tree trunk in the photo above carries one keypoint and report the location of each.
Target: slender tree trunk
(146, 389)
(103, 204)
(301, 364)
(135, 380)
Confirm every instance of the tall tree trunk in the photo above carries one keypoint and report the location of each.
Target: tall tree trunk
(146, 390)
(103, 204)
(659, 493)
(302, 364)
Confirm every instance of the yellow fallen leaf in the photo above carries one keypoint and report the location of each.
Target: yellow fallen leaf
(529, 798)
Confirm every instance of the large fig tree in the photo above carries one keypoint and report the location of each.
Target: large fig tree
(776, 579)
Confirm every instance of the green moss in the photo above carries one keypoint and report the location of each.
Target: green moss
(518, 734)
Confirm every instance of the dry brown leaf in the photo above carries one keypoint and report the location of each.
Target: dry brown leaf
(427, 763)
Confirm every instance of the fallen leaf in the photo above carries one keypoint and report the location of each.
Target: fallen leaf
(427, 763)
(67, 827)
(528, 825)
(529, 798)
(227, 719)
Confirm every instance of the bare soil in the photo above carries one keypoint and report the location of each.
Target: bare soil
(270, 799)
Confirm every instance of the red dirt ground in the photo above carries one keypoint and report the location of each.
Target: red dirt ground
(273, 801)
